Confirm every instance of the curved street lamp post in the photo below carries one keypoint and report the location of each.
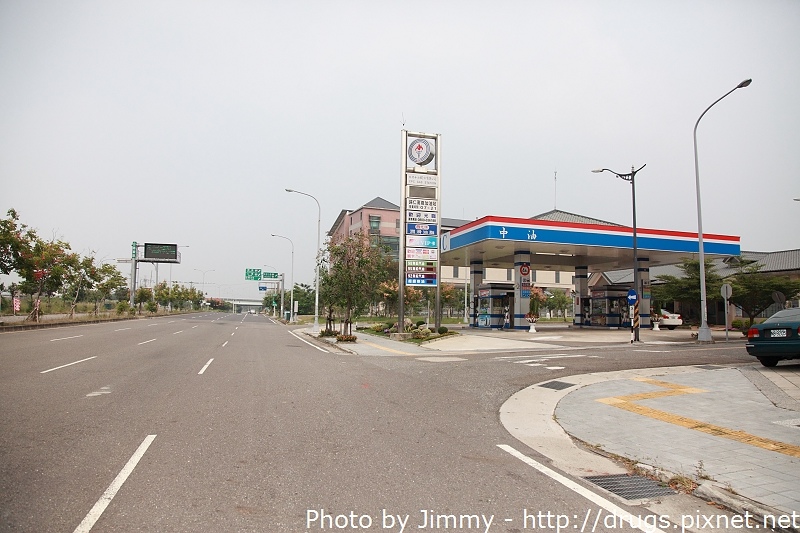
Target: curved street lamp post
(291, 293)
(704, 333)
(631, 178)
(315, 329)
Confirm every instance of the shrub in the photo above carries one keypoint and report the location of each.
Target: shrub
(418, 334)
(738, 324)
(378, 328)
(420, 322)
(345, 338)
(425, 332)
(122, 308)
(390, 325)
(442, 330)
(327, 333)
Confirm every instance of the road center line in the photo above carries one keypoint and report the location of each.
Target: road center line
(68, 364)
(65, 338)
(204, 368)
(181, 331)
(145, 342)
(121, 329)
(617, 511)
(224, 344)
(94, 514)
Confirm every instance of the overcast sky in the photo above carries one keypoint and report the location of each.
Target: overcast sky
(184, 121)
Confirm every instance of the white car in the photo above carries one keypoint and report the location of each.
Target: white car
(669, 320)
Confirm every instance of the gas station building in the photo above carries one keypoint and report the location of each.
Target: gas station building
(560, 241)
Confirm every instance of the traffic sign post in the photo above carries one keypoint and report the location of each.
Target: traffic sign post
(633, 302)
(726, 292)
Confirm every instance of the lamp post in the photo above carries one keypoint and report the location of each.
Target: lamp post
(704, 333)
(315, 329)
(631, 177)
(291, 293)
(281, 289)
(204, 281)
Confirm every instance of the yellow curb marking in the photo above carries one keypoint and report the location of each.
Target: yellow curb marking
(383, 348)
(627, 403)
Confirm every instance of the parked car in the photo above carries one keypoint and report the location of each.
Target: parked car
(777, 338)
(669, 320)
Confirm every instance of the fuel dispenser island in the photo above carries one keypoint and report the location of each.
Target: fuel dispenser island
(495, 301)
(610, 307)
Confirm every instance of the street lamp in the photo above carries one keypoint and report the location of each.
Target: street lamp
(281, 288)
(315, 329)
(291, 293)
(704, 333)
(631, 177)
(204, 280)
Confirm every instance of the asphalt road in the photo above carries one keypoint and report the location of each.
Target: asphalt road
(239, 425)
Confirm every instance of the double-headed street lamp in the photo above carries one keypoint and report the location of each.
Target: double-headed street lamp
(315, 329)
(291, 308)
(204, 280)
(704, 333)
(631, 177)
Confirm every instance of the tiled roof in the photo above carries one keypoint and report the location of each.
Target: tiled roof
(562, 216)
(781, 261)
(380, 203)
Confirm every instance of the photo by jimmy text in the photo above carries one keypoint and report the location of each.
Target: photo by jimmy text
(592, 521)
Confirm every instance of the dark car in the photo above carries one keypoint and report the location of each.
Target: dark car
(778, 337)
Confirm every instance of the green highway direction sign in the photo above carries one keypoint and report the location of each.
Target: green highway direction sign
(255, 274)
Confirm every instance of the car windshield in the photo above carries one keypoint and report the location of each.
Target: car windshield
(785, 314)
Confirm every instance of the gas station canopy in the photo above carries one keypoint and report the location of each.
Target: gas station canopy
(561, 241)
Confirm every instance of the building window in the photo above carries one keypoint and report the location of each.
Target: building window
(374, 224)
(455, 272)
(533, 276)
(509, 274)
(558, 276)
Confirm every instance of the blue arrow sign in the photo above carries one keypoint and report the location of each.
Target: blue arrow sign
(632, 297)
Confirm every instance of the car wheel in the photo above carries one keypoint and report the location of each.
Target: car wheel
(671, 327)
(769, 362)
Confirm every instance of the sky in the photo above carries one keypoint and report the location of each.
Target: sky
(184, 122)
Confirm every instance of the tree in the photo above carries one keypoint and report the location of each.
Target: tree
(143, 295)
(559, 301)
(752, 290)
(46, 269)
(16, 243)
(108, 281)
(354, 270)
(686, 289)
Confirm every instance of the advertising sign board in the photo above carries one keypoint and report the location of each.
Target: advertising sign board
(422, 241)
(422, 229)
(422, 216)
(422, 204)
(430, 254)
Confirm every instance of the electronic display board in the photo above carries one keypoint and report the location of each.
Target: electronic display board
(160, 252)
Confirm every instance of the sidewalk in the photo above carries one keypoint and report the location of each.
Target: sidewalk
(734, 430)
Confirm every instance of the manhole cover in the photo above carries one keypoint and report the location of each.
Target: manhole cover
(631, 487)
(710, 367)
(557, 385)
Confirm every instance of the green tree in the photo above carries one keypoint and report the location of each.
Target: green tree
(559, 301)
(353, 270)
(46, 270)
(686, 289)
(751, 290)
(108, 281)
(143, 295)
(16, 243)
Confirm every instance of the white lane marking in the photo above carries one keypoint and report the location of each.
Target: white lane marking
(194, 327)
(94, 514)
(145, 342)
(309, 343)
(103, 390)
(65, 338)
(224, 344)
(171, 321)
(617, 511)
(554, 367)
(204, 368)
(68, 364)
(232, 334)
(181, 331)
(121, 329)
(237, 327)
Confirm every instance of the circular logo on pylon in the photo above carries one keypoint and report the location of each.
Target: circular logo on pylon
(524, 270)
(420, 152)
